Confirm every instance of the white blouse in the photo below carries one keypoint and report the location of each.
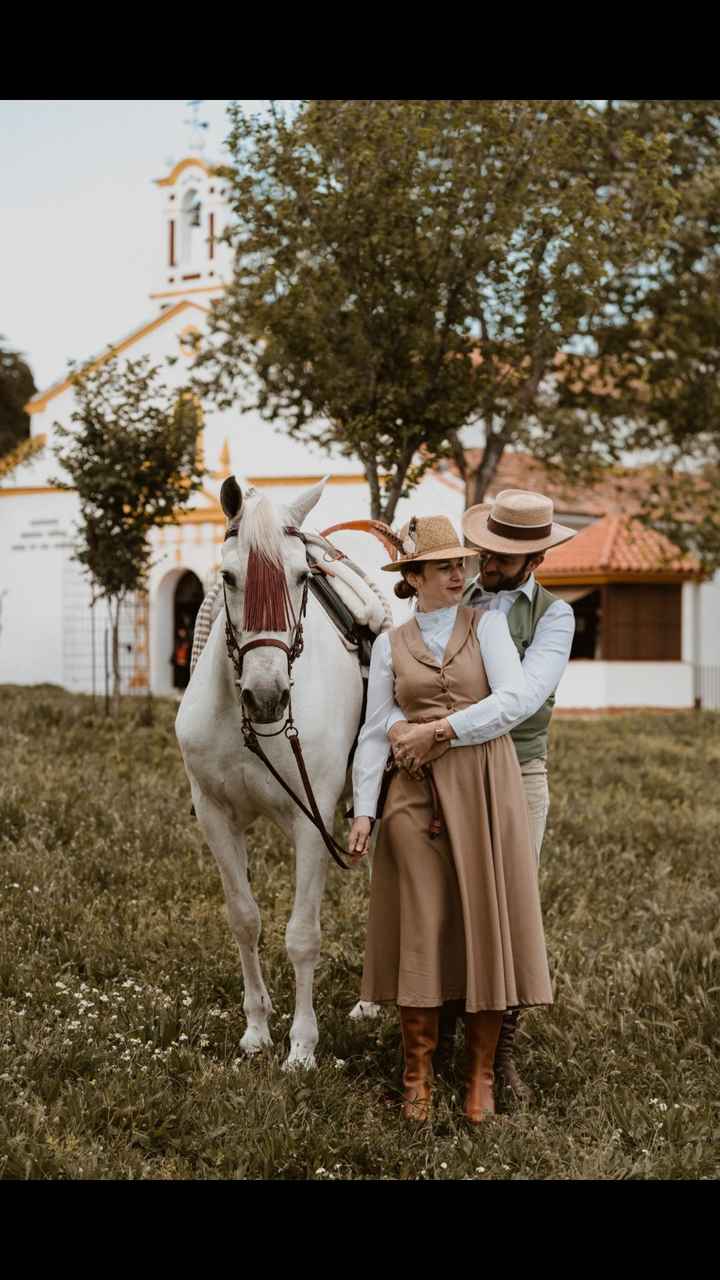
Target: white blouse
(505, 677)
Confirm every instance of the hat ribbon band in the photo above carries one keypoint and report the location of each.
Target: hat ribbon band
(528, 534)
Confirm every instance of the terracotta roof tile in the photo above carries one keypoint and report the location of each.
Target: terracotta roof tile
(617, 544)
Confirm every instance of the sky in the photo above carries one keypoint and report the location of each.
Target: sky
(80, 218)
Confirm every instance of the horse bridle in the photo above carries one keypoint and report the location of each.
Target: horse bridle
(236, 652)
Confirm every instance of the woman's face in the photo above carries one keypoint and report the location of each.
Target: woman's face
(440, 585)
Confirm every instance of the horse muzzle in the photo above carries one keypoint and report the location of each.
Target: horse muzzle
(265, 708)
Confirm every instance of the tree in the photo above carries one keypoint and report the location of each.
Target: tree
(665, 331)
(17, 386)
(132, 457)
(403, 269)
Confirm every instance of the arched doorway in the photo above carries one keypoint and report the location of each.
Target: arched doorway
(187, 600)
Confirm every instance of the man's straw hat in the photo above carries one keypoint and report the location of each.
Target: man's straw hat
(515, 523)
(428, 538)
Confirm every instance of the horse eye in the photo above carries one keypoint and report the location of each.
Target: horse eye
(228, 578)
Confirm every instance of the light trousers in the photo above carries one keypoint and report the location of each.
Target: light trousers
(537, 795)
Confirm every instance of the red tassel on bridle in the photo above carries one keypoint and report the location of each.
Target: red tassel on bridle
(268, 606)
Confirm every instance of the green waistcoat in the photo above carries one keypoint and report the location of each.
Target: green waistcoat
(530, 737)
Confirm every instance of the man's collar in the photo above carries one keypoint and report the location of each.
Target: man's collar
(527, 588)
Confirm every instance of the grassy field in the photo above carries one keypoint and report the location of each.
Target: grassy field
(120, 987)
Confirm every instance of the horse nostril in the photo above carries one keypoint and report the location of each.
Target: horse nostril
(283, 699)
(248, 700)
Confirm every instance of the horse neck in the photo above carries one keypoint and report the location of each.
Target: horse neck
(221, 674)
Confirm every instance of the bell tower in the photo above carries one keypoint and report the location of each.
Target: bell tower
(191, 261)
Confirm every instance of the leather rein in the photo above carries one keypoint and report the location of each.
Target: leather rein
(236, 652)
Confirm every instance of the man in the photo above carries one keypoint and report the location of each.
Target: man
(512, 534)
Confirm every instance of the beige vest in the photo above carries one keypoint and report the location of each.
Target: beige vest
(426, 689)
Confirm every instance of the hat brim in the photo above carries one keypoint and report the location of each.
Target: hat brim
(474, 526)
(445, 553)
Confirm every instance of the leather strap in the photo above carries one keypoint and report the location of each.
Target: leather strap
(313, 813)
(262, 644)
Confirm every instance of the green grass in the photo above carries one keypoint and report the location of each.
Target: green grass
(121, 993)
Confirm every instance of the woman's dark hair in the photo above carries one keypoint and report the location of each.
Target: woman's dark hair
(403, 590)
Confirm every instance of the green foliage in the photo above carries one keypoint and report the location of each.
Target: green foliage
(381, 247)
(17, 386)
(121, 990)
(131, 454)
(664, 335)
(684, 504)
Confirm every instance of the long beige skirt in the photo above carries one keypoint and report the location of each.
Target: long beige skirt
(457, 916)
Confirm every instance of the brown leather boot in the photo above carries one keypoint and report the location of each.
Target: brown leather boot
(506, 1073)
(420, 1036)
(481, 1036)
(445, 1052)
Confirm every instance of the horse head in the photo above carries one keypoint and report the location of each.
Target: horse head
(264, 573)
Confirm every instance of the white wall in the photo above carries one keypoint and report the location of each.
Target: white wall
(36, 532)
(710, 622)
(589, 684)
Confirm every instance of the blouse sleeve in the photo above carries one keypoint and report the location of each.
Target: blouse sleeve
(373, 746)
(506, 705)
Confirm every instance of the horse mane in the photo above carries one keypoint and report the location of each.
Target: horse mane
(260, 529)
(267, 599)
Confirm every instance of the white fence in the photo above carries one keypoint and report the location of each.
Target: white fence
(707, 687)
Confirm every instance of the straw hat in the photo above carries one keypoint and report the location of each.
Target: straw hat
(428, 538)
(515, 523)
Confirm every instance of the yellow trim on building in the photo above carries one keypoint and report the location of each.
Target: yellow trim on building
(276, 481)
(213, 514)
(40, 401)
(180, 167)
(24, 490)
(200, 288)
(551, 580)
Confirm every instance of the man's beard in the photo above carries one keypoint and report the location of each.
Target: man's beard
(503, 582)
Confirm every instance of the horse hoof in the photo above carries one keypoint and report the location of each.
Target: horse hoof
(255, 1041)
(299, 1061)
(364, 1009)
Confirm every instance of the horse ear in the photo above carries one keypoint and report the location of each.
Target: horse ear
(231, 497)
(304, 504)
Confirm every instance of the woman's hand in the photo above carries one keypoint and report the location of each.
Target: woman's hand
(415, 745)
(359, 838)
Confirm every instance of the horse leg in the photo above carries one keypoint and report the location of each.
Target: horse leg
(229, 846)
(302, 940)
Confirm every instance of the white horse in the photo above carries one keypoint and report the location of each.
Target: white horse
(230, 786)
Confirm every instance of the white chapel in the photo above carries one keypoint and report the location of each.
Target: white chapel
(65, 644)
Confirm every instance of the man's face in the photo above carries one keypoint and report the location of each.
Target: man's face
(505, 573)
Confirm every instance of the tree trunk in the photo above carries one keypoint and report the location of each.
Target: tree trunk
(393, 490)
(115, 620)
(476, 484)
(374, 486)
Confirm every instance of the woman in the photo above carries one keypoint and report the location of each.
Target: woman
(454, 906)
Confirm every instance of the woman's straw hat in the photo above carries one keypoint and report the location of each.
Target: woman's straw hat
(429, 538)
(515, 523)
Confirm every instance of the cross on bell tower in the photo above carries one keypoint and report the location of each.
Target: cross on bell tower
(196, 125)
(193, 258)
